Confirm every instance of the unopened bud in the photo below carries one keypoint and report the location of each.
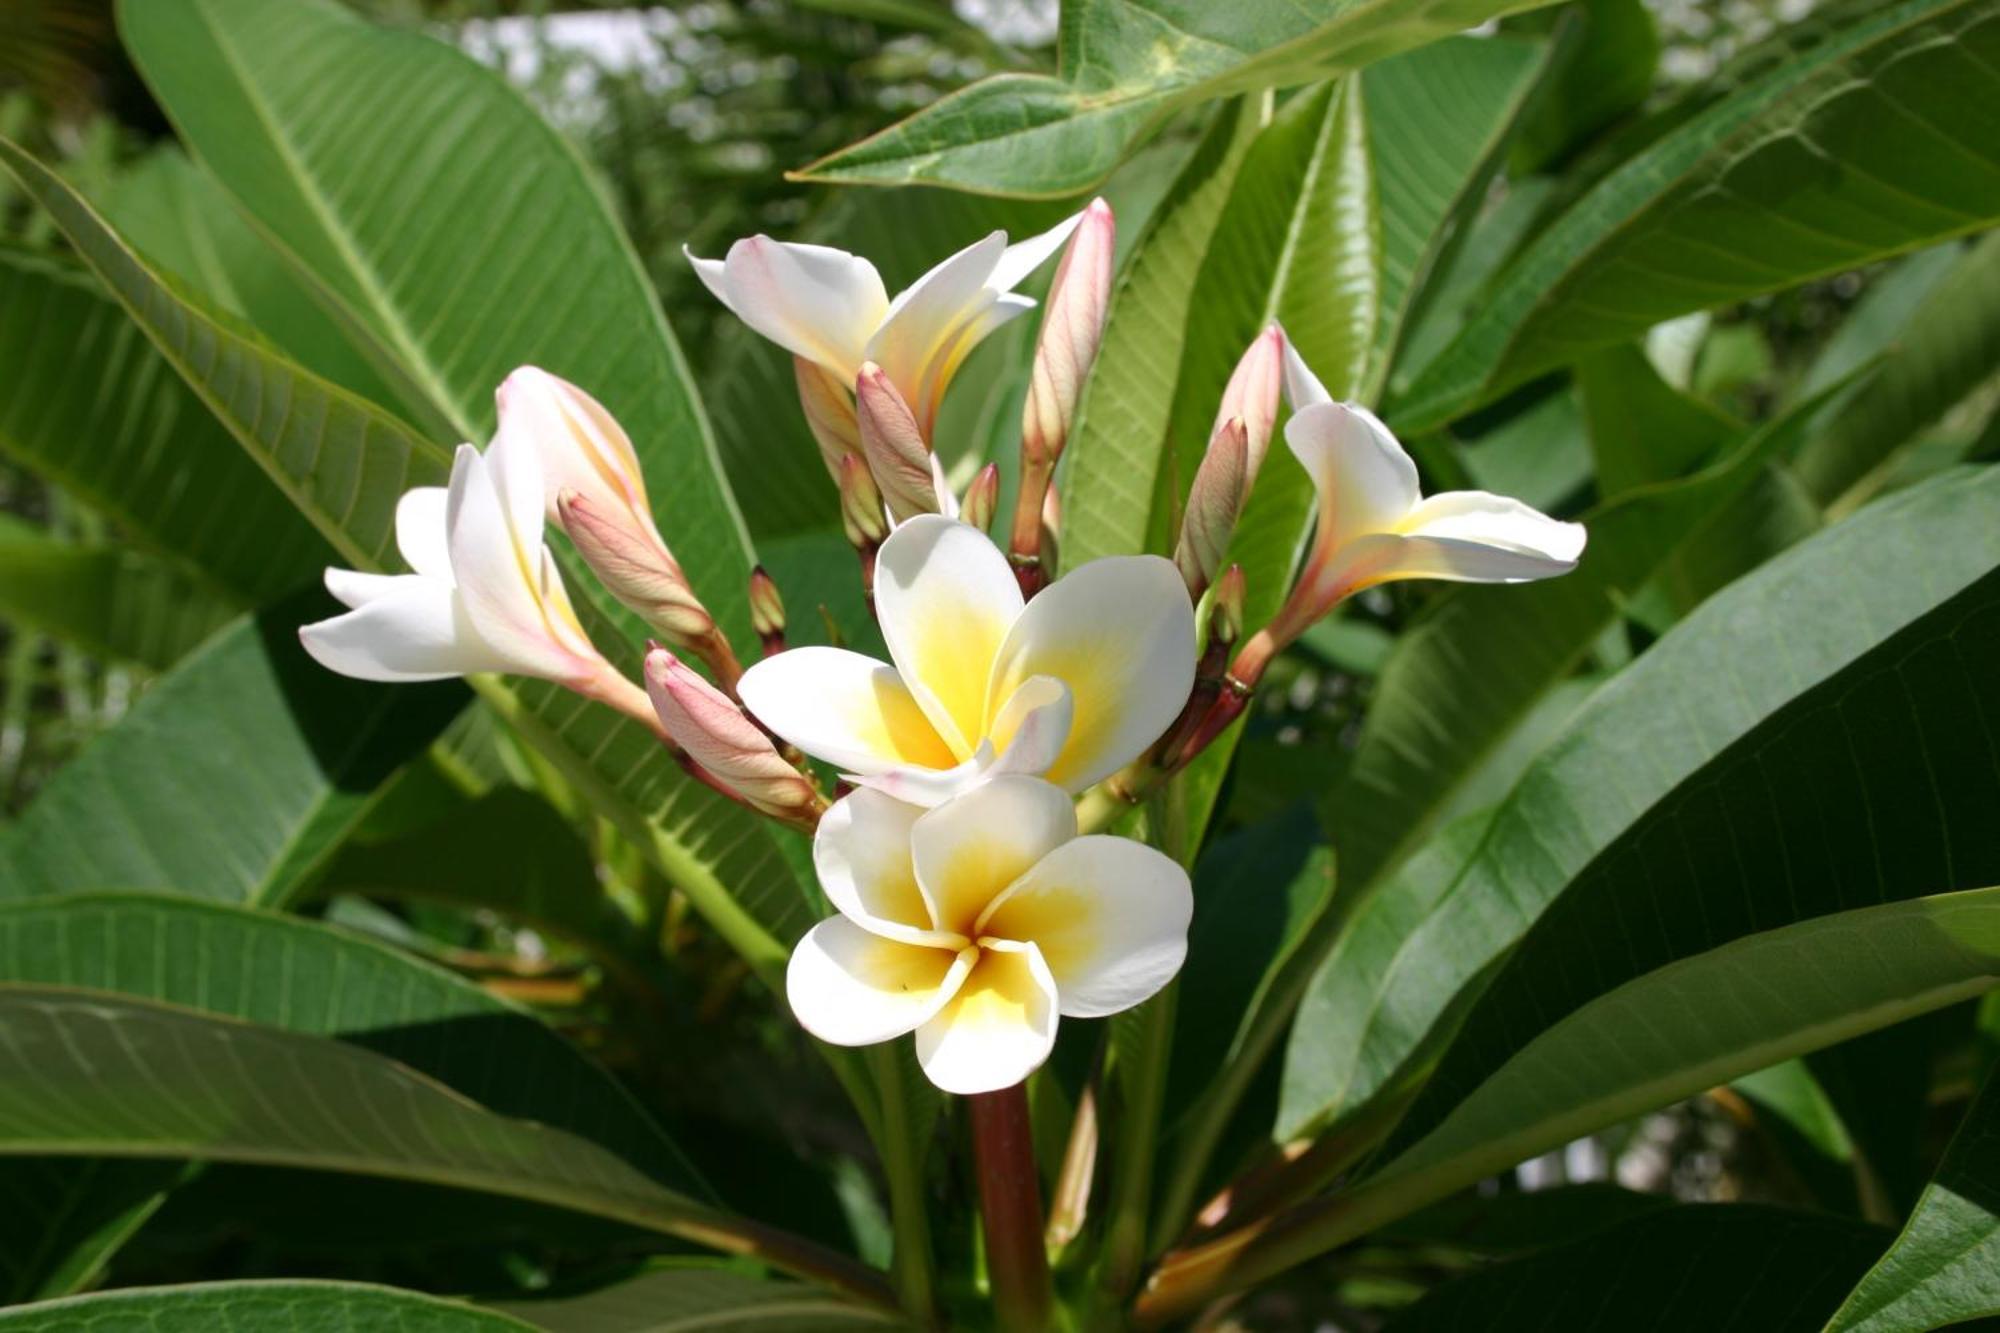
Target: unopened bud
(767, 611)
(636, 568)
(829, 409)
(1253, 393)
(581, 446)
(1214, 502)
(721, 738)
(894, 446)
(860, 505)
(982, 497)
(1225, 611)
(1072, 326)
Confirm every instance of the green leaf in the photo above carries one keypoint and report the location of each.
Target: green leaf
(1606, 72)
(1642, 429)
(232, 779)
(1852, 150)
(319, 980)
(1705, 1266)
(697, 1298)
(1123, 66)
(90, 405)
(111, 601)
(1744, 723)
(450, 222)
(62, 1218)
(98, 1074)
(1942, 1269)
(288, 1306)
(345, 462)
(1510, 1222)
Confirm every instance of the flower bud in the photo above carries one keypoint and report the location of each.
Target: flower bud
(894, 446)
(829, 410)
(767, 611)
(1225, 611)
(581, 446)
(860, 504)
(638, 572)
(982, 497)
(722, 739)
(1253, 393)
(1214, 502)
(1072, 325)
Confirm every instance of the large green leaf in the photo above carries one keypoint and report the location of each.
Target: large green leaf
(1945, 1267)
(345, 463)
(62, 1218)
(1706, 1266)
(98, 1074)
(1856, 148)
(288, 1306)
(108, 600)
(1124, 66)
(1746, 723)
(683, 1297)
(233, 778)
(89, 404)
(319, 980)
(452, 225)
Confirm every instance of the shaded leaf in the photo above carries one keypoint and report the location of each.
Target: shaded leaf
(697, 1298)
(288, 1306)
(110, 601)
(62, 1218)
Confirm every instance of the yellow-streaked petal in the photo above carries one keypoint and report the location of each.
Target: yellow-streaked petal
(814, 301)
(1119, 632)
(1366, 482)
(973, 846)
(997, 1029)
(1036, 722)
(852, 987)
(946, 598)
(849, 710)
(862, 854)
(1110, 916)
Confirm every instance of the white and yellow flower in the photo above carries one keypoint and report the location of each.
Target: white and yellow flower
(1074, 684)
(830, 309)
(976, 924)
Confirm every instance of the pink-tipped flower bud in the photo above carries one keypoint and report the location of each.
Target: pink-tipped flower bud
(894, 446)
(722, 739)
(982, 497)
(860, 505)
(767, 611)
(638, 572)
(829, 409)
(1072, 326)
(1214, 503)
(1225, 610)
(1252, 393)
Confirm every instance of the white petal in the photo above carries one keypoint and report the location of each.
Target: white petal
(1388, 556)
(1036, 718)
(969, 849)
(941, 487)
(580, 444)
(1110, 917)
(498, 581)
(355, 590)
(938, 372)
(1366, 483)
(1496, 520)
(928, 787)
(997, 1029)
(420, 531)
(926, 318)
(1302, 387)
(515, 466)
(1119, 632)
(862, 854)
(1024, 257)
(417, 631)
(814, 301)
(946, 597)
(853, 988)
(849, 710)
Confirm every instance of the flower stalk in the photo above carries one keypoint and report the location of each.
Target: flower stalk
(1010, 1208)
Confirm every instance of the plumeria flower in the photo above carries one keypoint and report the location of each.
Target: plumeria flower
(1074, 684)
(484, 594)
(974, 925)
(830, 309)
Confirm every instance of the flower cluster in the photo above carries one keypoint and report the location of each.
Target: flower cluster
(972, 908)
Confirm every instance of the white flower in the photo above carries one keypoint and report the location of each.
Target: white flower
(830, 307)
(1074, 684)
(976, 924)
(485, 594)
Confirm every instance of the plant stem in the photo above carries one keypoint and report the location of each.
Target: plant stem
(1010, 1205)
(903, 1163)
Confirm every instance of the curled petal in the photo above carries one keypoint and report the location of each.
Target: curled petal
(849, 710)
(1497, 521)
(408, 628)
(1110, 917)
(581, 445)
(997, 1028)
(853, 988)
(814, 301)
(926, 318)
(1302, 387)
(946, 598)
(1385, 557)
(929, 787)
(969, 849)
(1036, 720)
(1023, 257)
(1119, 632)
(420, 531)
(829, 409)
(862, 854)
(1366, 483)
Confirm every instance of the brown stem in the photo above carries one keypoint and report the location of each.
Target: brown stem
(1010, 1205)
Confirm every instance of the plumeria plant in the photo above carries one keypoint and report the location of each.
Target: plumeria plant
(1280, 738)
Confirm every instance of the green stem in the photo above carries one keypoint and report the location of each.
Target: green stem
(1010, 1206)
(896, 1143)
